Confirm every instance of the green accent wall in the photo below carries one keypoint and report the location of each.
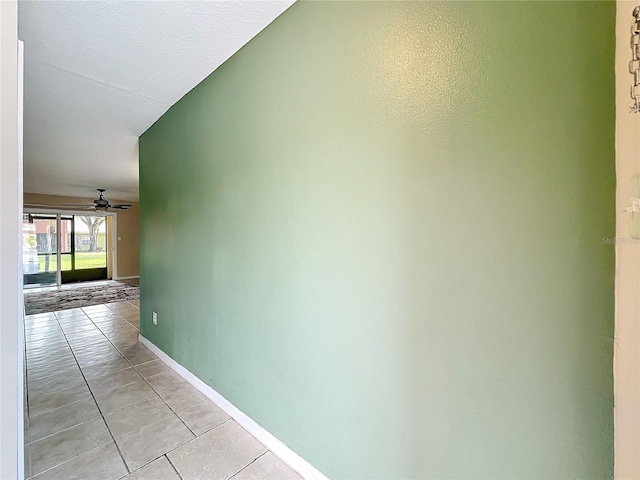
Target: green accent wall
(378, 230)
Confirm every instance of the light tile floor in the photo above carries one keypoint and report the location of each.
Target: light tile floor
(102, 406)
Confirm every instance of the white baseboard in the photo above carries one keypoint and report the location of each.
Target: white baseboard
(295, 461)
(126, 278)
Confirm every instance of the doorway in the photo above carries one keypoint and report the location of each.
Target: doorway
(60, 248)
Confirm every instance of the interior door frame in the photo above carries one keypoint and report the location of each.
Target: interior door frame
(626, 341)
(113, 235)
(11, 193)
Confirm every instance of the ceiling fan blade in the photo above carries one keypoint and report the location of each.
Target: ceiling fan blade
(99, 205)
(57, 207)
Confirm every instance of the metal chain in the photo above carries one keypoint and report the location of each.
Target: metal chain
(634, 64)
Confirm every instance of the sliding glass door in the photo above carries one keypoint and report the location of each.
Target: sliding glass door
(40, 249)
(89, 250)
(77, 242)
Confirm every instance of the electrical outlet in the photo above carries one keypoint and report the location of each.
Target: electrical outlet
(155, 318)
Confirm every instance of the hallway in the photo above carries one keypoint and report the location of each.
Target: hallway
(101, 406)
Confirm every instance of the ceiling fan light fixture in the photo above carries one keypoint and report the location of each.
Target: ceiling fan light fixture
(101, 204)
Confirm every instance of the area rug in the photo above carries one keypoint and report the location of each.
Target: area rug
(80, 296)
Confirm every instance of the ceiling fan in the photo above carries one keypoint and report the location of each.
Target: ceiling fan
(101, 204)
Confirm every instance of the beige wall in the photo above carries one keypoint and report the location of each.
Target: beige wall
(127, 229)
(128, 226)
(627, 332)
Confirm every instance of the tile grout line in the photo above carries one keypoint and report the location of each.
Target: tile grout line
(55, 390)
(49, 335)
(159, 396)
(64, 429)
(173, 466)
(106, 373)
(123, 318)
(96, 402)
(128, 404)
(29, 443)
(55, 408)
(144, 426)
(116, 371)
(35, 477)
(67, 346)
(165, 454)
(45, 344)
(175, 413)
(143, 378)
(195, 435)
(157, 392)
(250, 463)
(209, 429)
(63, 370)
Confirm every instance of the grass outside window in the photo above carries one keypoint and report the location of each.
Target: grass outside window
(83, 260)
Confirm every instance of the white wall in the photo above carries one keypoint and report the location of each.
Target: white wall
(627, 336)
(11, 349)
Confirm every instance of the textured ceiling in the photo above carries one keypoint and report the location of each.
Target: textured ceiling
(99, 73)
